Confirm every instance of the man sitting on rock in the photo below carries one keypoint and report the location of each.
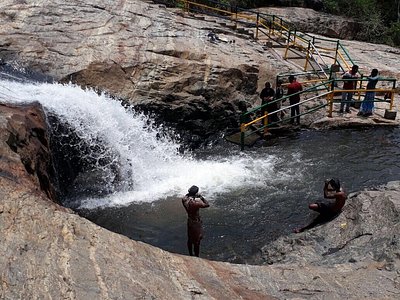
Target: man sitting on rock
(327, 210)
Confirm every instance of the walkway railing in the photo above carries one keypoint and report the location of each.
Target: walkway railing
(248, 127)
(319, 53)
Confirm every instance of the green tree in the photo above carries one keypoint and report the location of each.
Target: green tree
(393, 34)
(379, 18)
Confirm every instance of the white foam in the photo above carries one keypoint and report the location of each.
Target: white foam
(153, 163)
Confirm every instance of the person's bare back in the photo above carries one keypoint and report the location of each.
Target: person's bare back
(192, 203)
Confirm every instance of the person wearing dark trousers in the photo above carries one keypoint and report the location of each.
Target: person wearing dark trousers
(192, 203)
(293, 88)
(278, 95)
(267, 95)
(347, 97)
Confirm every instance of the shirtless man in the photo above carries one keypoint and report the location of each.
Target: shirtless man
(327, 210)
(192, 203)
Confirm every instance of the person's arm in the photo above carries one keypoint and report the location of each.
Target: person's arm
(271, 94)
(200, 202)
(329, 193)
(205, 202)
(262, 95)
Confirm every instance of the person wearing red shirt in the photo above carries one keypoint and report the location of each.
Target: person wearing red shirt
(293, 88)
(347, 97)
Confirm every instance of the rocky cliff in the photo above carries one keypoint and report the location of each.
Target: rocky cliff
(153, 57)
(159, 59)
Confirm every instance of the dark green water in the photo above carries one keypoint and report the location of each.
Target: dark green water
(241, 221)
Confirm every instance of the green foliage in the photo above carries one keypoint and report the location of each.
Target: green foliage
(332, 6)
(363, 9)
(380, 18)
(393, 34)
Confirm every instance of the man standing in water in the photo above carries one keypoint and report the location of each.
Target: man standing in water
(192, 203)
(327, 210)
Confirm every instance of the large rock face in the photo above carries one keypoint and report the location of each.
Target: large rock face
(48, 252)
(367, 228)
(25, 149)
(151, 56)
(309, 20)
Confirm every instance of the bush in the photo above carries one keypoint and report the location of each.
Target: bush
(393, 34)
(380, 19)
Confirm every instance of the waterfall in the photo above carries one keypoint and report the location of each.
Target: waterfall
(150, 164)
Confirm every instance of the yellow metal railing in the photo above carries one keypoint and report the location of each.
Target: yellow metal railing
(276, 26)
(329, 95)
(272, 25)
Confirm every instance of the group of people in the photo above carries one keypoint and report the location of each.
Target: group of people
(350, 84)
(193, 201)
(270, 100)
(327, 210)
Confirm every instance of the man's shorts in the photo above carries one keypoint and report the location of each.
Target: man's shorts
(326, 209)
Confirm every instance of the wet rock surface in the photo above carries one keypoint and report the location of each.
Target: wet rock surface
(25, 150)
(366, 229)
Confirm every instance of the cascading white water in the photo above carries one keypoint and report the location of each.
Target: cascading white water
(152, 162)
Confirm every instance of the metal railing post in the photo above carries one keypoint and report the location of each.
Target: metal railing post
(242, 130)
(294, 36)
(331, 95)
(392, 95)
(273, 24)
(236, 17)
(257, 24)
(270, 27)
(359, 92)
(391, 100)
(265, 122)
(336, 53)
(287, 45)
(307, 55)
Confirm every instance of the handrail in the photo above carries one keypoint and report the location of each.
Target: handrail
(276, 26)
(343, 58)
(306, 42)
(244, 126)
(312, 89)
(330, 100)
(319, 55)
